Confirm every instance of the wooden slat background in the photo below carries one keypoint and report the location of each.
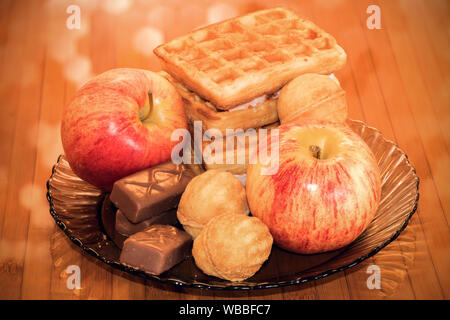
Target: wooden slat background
(397, 79)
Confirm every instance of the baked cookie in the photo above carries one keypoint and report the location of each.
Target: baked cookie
(210, 194)
(232, 247)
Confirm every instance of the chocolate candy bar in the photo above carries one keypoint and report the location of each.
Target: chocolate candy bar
(108, 216)
(127, 228)
(156, 249)
(150, 192)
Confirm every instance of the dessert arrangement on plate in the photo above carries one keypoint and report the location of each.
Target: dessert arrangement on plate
(297, 176)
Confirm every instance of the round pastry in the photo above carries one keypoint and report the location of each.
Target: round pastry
(232, 247)
(312, 96)
(210, 194)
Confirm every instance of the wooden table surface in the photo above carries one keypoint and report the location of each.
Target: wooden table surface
(397, 79)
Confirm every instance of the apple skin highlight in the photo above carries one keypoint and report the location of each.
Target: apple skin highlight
(104, 138)
(316, 205)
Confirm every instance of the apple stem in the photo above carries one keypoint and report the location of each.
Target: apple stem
(145, 111)
(315, 150)
(150, 101)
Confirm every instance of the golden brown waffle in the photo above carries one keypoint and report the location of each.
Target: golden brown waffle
(237, 60)
(198, 109)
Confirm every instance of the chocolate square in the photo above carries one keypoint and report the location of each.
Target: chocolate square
(156, 249)
(127, 228)
(150, 192)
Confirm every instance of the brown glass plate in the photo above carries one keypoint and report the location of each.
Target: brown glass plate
(77, 208)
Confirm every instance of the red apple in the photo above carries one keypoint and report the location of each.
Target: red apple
(326, 190)
(120, 122)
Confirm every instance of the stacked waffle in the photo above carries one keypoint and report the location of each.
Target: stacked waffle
(230, 73)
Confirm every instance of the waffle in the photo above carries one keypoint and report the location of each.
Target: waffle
(237, 60)
(198, 109)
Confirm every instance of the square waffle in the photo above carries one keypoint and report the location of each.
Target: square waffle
(234, 61)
